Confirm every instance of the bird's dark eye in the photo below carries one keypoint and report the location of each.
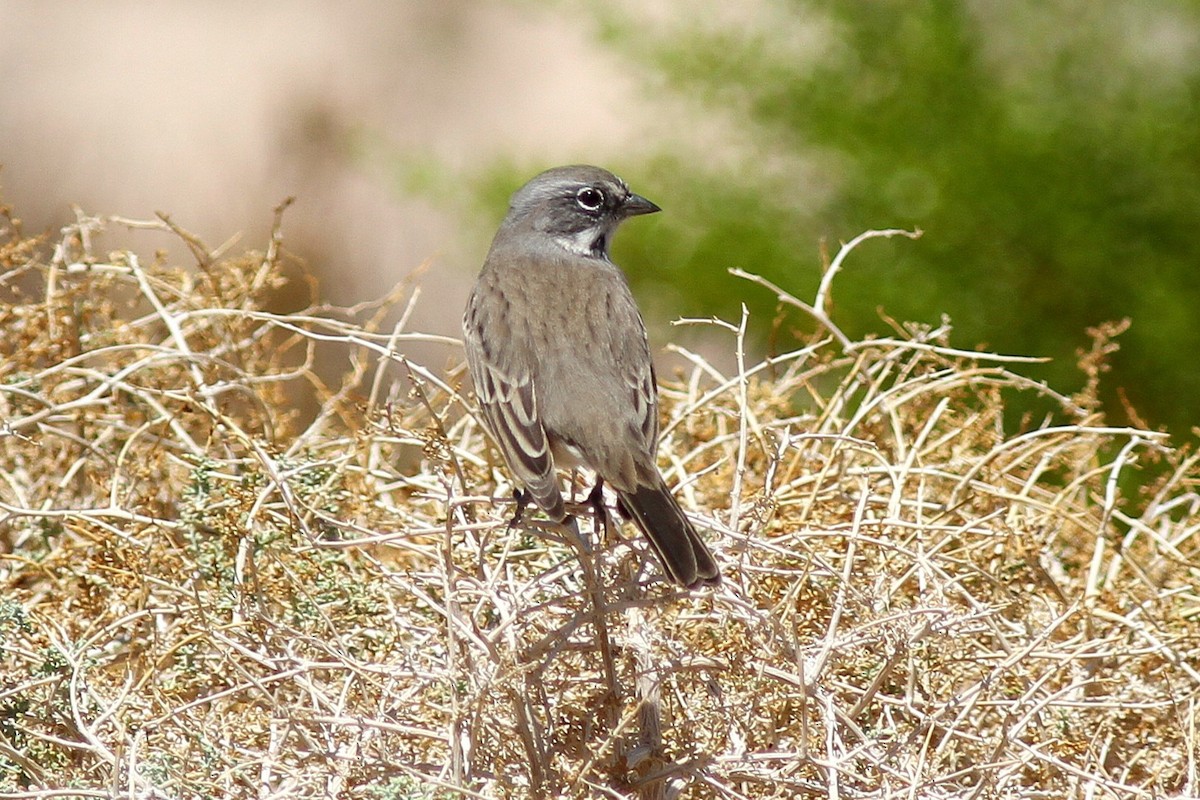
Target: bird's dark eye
(589, 198)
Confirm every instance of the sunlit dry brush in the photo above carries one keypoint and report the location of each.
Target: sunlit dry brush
(206, 591)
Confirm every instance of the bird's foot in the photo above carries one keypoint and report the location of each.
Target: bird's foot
(596, 501)
(522, 499)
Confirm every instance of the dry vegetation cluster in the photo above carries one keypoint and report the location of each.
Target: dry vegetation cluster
(206, 593)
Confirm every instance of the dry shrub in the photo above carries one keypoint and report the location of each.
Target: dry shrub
(206, 594)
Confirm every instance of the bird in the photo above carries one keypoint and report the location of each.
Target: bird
(559, 357)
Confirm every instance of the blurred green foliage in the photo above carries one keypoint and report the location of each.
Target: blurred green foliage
(1049, 150)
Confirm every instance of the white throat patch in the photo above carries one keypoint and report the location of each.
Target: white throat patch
(582, 243)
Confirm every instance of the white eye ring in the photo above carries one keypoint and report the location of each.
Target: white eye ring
(589, 198)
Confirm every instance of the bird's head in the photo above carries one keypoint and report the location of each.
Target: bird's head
(579, 207)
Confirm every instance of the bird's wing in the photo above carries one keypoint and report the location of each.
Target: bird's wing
(636, 370)
(644, 389)
(508, 399)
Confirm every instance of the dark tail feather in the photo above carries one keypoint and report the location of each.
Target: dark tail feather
(682, 553)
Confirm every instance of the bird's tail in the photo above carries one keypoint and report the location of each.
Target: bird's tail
(683, 554)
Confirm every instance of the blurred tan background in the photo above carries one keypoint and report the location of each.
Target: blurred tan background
(214, 112)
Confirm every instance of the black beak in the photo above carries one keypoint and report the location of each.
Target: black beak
(635, 204)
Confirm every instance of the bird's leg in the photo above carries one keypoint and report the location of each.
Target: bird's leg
(522, 499)
(596, 501)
